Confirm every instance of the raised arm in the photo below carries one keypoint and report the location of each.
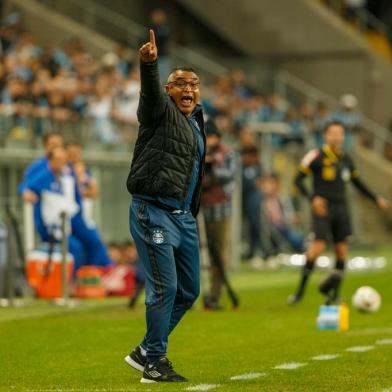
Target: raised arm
(152, 100)
(148, 53)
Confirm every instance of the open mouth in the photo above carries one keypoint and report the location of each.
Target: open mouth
(187, 100)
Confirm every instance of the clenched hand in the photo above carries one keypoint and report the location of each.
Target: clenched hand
(149, 52)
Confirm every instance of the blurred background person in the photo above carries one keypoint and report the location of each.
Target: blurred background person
(50, 141)
(49, 190)
(331, 169)
(159, 23)
(216, 201)
(349, 116)
(251, 205)
(281, 215)
(87, 184)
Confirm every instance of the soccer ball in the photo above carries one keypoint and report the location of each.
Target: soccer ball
(366, 299)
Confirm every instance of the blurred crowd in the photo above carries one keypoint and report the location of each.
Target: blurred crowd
(237, 110)
(62, 87)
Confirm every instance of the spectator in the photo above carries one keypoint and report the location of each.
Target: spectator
(50, 141)
(297, 130)
(321, 117)
(16, 107)
(161, 28)
(253, 112)
(115, 253)
(131, 258)
(90, 242)
(124, 63)
(49, 191)
(251, 204)
(350, 118)
(275, 113)
(280, 214)
(126, 103)
(239, 87)
(41, 110)
(87, 185)
(218, 186)
(100, 110)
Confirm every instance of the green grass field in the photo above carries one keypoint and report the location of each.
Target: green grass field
(44, 348)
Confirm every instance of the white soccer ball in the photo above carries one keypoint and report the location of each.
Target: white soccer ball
(366, 299)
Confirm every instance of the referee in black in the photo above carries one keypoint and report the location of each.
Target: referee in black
(331, 169)
(165, 183)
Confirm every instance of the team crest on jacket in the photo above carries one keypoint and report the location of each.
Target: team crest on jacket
(157, 236)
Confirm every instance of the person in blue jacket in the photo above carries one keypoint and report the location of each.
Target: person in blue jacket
(39, 176)
(47, 191)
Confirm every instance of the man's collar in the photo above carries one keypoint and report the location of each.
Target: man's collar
(333, 156)
(198, 108)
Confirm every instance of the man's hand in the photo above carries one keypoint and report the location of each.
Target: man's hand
(149, 52)
(30, 196)
(383, 204)
(320, 206)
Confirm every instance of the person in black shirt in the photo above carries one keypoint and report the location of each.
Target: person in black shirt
(331, 170)
(160, 25)
(251, 204)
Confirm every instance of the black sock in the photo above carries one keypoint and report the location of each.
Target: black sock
(307, 270)
(339, 266)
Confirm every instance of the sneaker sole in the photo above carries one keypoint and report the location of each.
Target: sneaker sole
(133, 364)
(147, 381)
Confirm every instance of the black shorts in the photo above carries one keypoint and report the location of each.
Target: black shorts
(335, 224)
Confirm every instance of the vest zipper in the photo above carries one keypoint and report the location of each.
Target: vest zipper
(191, 166)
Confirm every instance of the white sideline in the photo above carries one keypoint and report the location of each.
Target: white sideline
(248, 376)
(325, 357)
(359, 349)
(202, 387)
(290, 365)
(384, 342)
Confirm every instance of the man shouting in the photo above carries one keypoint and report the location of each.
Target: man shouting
(165, 181)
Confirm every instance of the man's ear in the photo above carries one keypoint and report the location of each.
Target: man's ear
(167, 88)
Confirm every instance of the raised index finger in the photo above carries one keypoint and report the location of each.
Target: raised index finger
(152, 37)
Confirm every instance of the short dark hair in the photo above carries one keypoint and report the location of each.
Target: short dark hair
(48, 135)
(332, 123)
(182, 68)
